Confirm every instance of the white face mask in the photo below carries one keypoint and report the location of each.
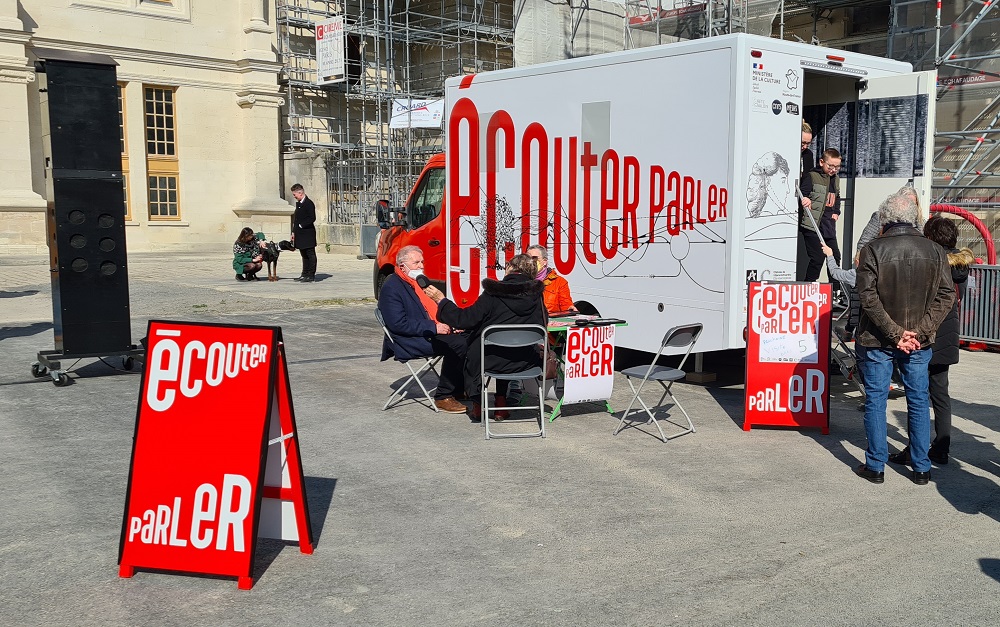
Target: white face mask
(414, 273)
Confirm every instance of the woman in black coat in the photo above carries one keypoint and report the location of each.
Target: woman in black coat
(945, 349)
(517, 299)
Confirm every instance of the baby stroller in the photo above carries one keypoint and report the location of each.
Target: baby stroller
(842, 350)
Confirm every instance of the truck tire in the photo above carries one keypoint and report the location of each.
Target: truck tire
(380, 278)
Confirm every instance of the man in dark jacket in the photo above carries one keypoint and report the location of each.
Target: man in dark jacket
(517, 299)
(304, 233)
(944, 232)
(411, 317)
(906, 290)
(821, 187)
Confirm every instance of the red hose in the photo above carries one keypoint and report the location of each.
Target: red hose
(991, 251)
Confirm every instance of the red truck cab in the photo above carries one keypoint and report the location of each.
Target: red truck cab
(420, 222)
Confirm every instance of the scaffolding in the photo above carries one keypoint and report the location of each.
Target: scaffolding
(395, 51)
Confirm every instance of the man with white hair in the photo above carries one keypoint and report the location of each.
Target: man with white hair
(905, 287)
(411, 317)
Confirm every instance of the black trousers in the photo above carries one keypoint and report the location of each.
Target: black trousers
(810, 256)
(308, 261)
(941, 402)
(832, 243)
(452, 347)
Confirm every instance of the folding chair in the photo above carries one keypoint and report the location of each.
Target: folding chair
(677, 337)
(429, 365)
(513, 336)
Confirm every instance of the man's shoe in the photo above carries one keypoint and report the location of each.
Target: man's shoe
(477, 413)
(298, 278)
(938, 455)
(449, 405)
(865, 472)
(308, 279)
(921, 478)
(902, 458)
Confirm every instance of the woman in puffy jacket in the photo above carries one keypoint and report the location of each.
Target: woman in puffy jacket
(247, 256)
(517, 299)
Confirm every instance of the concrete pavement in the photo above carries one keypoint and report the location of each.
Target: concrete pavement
(420, 521)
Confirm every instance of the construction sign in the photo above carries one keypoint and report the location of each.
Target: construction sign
(215, 457)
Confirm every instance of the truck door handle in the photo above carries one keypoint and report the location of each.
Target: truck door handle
(434, 242)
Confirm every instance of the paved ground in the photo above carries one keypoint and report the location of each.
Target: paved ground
(421, 521)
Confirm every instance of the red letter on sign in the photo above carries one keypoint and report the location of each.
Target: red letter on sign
(499, 121)
(609, 201)
(460, 204)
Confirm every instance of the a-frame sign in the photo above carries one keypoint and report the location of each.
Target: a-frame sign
(215, 458)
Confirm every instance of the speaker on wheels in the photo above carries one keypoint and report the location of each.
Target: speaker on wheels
(86, 203)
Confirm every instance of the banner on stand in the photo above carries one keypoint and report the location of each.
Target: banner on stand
(589, 366)
(215, 457)
(788, 355)
(330, 51)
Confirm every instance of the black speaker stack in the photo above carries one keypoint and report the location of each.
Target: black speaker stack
(86, 209)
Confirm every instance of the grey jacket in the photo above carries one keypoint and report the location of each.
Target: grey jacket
(904, 284)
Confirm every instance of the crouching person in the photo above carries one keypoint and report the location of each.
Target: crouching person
(412, 319)
(247, 255)
(517, 299)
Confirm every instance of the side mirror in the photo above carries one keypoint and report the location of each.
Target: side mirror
(383, 214)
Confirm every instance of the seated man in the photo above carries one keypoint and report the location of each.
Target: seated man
(411, 317)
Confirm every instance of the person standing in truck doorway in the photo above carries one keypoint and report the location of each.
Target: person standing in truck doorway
(304, 233)
(822, 187)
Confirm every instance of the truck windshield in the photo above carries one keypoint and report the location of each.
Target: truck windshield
(427, 200)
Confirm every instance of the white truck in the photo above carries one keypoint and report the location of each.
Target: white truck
(662, 180)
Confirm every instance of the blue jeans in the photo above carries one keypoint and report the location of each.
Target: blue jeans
(876, 368)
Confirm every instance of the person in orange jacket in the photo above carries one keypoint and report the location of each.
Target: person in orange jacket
(557, 297)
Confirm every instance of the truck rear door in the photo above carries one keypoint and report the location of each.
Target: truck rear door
(895, 145)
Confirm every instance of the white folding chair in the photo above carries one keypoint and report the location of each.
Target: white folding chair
(499, 336)
(429, 365)
(677, 337)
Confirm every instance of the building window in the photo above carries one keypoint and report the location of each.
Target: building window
(160, 121)
(161, 152)
(163, 196)
(122, 135)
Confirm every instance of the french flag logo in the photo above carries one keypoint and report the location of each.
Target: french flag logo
(758, 66)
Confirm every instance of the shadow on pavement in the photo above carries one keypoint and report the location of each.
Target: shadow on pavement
(32, 329)
(990, 567)
(319, 495)
(6, 294)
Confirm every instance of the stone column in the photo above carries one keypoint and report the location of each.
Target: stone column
(258, 102)
(22, 210)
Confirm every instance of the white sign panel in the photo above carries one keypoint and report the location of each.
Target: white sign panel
(590, 364)
(330, 51)
(413, 113)
(786, 317)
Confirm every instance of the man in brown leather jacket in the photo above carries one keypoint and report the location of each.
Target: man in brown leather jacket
(905, 288)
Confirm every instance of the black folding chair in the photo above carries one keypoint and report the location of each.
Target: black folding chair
(513, 336)
(677, 337)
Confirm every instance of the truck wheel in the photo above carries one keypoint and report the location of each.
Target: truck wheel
(380, 281)
(62, 381)
(586, 308)
(38, 370)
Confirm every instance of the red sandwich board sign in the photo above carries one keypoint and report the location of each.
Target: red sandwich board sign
(788, 355)
(215, 456)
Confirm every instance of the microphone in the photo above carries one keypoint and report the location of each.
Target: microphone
(423, 281)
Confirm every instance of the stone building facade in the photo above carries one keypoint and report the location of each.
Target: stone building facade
(198, 109)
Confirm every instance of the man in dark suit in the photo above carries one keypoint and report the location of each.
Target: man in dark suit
(411, 317)
(304, 233)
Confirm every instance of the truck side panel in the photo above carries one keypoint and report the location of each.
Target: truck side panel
(623, 171)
